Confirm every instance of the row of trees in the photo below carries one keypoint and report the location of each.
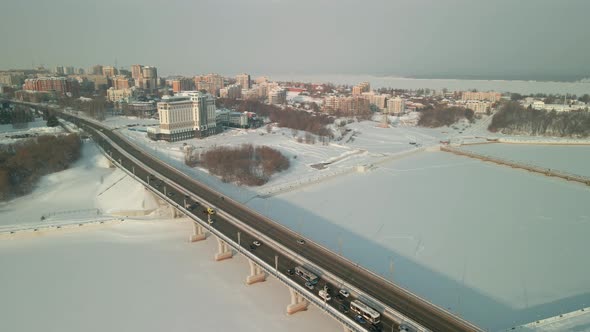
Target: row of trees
(513, 118)
(288, 117)
(244, 165)
(24, 162)
(440, 115)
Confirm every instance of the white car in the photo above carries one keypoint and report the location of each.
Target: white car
(257, 243)
(344, 293)
(324, 295)
(301, 241)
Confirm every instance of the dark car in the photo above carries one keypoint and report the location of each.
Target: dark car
(252, 247)
(291, 272)
(375, 328)
(360, 319)
(343, 308)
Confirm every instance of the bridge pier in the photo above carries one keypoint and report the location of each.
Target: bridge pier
(256, 274)
(223, 250)
(198, 233)
(298, 302)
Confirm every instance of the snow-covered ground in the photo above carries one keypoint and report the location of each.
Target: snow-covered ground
(573, 159)
(139, 275)
(489, 243)
(34, 128)
(87, 185)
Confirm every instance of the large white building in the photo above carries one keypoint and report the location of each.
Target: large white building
(187, 115)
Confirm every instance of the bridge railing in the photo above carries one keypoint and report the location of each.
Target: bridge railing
(340, 317)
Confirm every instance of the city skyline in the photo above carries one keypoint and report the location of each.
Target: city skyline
(430, 39)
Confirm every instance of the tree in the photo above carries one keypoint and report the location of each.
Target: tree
(52, 121)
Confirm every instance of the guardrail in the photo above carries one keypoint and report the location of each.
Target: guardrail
(515, 164)
(345, 320)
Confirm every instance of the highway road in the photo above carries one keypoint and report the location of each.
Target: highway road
(393, 296)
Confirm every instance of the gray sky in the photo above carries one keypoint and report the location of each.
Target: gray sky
(531, 39)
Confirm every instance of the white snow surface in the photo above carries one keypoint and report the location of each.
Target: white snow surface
(88, 184)
(137, 276)
(35, 128)
(140, 275)
(489, 243)
(573, 159)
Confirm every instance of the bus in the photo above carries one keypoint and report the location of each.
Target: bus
(368, 313)
(306, 275)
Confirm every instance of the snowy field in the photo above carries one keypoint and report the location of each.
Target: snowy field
(498, 246)
(34, 128)
(573, 159)
(508, 234)
(139, 275)
(360, 143)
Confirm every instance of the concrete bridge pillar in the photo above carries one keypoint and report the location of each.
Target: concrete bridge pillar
(223, 250)
(198, 233)
(298, 302)
(256, 274)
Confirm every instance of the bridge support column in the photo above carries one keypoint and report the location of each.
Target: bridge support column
(298, 302)
(223, 250)
(256, 274)
(198, 233)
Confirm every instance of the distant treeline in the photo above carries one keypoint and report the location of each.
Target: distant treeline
(23, 163)
(247, 164)
(441, 115)
(288, 117)
(513, 118)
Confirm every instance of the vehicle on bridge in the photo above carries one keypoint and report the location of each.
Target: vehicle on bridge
(368, 313)
(306, 275)
(324, 295)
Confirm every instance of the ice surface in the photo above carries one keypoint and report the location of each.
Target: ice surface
(573, 159)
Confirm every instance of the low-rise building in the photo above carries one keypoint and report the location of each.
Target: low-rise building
(478, 106)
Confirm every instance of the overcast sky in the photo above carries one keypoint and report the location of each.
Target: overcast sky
(530, 39)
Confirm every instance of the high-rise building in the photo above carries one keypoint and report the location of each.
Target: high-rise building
(188, 114)
(396, 106)
(149, 80)
(109, 71)
(181, 84)
(379, 100)
(60, 85)
(69, 70)
(120, 82)
(59, 70)
(277, 96)
(136, 71)
(233, 91)
(80, 71)
(96, 70)
(243, 80)
(357, 90)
